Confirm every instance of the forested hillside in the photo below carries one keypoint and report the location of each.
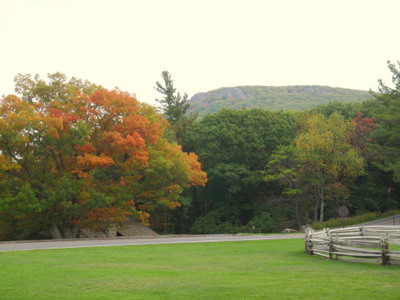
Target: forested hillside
(296, 98)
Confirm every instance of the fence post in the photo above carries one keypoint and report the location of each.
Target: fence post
(330, 247)
(337, 243)
(384, 248)
(308, 244)
(329, 236)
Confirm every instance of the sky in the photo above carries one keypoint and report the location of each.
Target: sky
(205, 45)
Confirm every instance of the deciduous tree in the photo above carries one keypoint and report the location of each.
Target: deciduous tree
(234, 147)
(326, 155)
(73, 154)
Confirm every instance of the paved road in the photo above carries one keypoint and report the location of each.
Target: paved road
(394, 220)
(128, 241)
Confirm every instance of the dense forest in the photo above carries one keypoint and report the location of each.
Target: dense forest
(74, 155)
(270, 170)
(297, 98)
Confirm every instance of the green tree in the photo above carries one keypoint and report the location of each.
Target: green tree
(326, 156)
(234, 146)
(347, 110)
(321, 163)
(173, 105)
(387, 134)
(283, 167)
(376, 144)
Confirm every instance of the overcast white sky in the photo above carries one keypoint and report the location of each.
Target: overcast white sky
(204, 44)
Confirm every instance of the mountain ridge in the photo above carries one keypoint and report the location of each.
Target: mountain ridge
(291, 97)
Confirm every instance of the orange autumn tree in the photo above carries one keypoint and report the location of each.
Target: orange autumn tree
(73, 154)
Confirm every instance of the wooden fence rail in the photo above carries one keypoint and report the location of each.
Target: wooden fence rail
(376, 244)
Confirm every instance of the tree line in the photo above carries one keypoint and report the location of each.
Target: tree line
(271, 170)
(74, 155)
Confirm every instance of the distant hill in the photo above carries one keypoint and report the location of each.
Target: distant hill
(298, 97)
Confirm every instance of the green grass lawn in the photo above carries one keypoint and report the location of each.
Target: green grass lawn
(274, 269)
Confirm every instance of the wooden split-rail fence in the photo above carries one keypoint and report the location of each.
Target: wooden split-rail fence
(376, 244)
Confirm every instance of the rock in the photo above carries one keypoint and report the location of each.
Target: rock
(131, 228)
(222, 93)
(135, 228)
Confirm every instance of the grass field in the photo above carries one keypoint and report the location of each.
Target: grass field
(274, 269)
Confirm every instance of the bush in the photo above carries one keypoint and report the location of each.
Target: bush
(214, 222)
(261, 223)
(343, 222)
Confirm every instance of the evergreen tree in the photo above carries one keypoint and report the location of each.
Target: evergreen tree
(387, 133)
(173, 105)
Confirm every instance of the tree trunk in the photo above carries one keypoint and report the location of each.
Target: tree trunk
(165, 220)
(67, 232)
(296, 207)
(75, 230)
(321, 211)
(316, 208)
(70, 232)
(195, 204)
(55, 232)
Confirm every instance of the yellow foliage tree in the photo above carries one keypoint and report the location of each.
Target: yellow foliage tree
(325, 155)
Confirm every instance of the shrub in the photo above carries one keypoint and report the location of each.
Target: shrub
(343, 222)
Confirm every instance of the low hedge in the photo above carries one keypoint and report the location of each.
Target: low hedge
(343, 222)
